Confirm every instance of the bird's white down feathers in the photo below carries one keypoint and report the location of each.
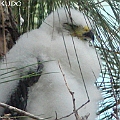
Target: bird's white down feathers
(50, 94)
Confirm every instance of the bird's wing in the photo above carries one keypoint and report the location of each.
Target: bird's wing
(19, 97)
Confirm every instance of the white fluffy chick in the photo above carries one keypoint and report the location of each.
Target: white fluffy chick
(61, 44)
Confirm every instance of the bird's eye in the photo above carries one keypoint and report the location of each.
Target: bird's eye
(69, 26)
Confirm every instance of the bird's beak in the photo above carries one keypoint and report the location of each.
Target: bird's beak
(89, 35)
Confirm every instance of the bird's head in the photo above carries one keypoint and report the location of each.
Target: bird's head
(73, 21)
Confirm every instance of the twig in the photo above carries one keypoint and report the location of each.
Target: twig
(72, 94)
(75, 111)
(21, 111)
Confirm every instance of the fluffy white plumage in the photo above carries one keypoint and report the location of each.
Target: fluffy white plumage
(50, 94)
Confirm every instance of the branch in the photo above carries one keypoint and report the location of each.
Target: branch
(75, 111)
(21, 111)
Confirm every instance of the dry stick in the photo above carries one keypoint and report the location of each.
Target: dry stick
(72, 94)
(21, 111)
(75, 111)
